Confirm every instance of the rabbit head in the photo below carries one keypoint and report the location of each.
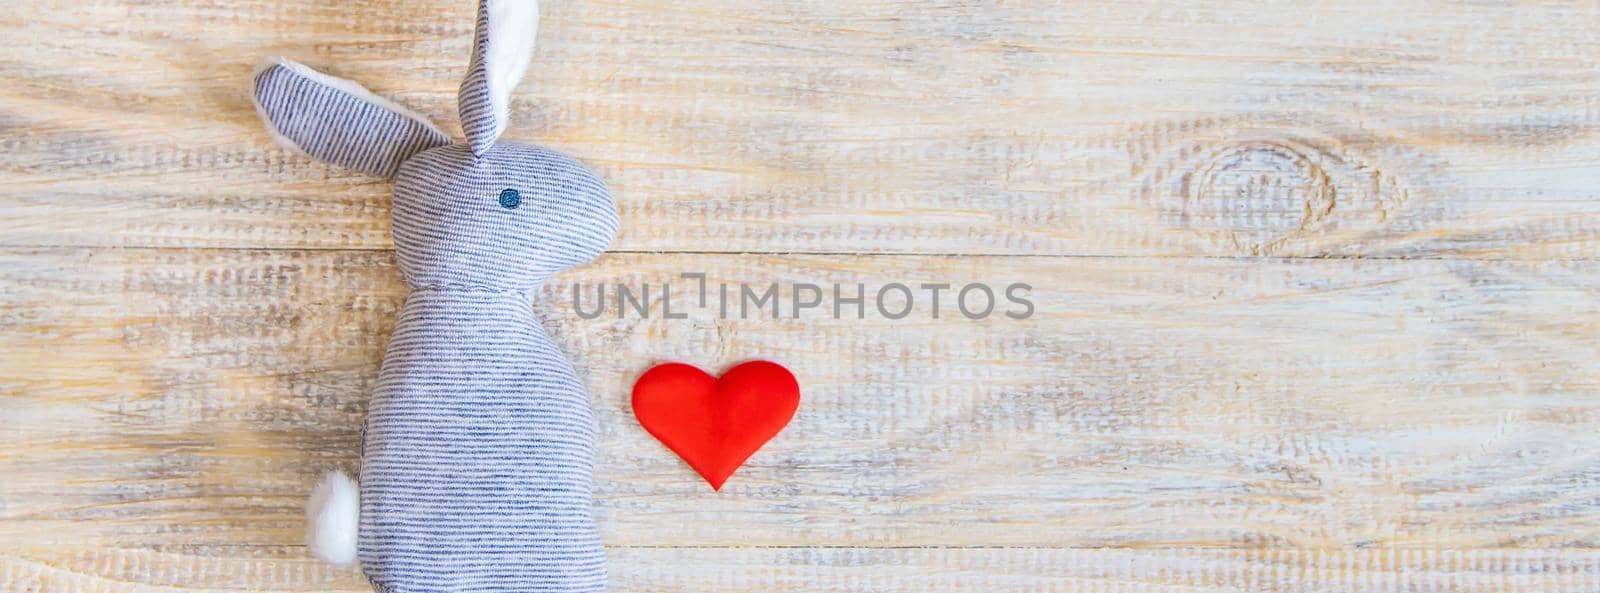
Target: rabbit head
(475, 214)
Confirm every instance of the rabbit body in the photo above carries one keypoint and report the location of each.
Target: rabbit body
(478, 447)
(478, 450)
(477, 457)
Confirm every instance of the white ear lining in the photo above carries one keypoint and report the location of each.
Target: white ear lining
(345, 85)
(513, 27)
(277, 135)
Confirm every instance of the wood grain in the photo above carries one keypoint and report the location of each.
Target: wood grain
(1378, 129)
(1316, 288)
(190, 398)
(803, 570)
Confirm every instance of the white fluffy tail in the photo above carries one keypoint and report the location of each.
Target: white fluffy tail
(332, 518)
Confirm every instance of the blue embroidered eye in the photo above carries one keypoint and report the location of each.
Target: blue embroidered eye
(510, 198)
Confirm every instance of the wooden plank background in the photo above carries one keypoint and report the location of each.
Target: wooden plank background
(1317, 288)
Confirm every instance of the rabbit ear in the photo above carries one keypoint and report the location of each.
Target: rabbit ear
(338, 121)
(501, 49)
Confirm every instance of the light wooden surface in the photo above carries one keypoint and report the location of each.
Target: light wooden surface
(1317, 288)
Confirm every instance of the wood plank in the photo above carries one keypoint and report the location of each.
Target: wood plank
(191, 397)
(1374, 128)
(779, 570)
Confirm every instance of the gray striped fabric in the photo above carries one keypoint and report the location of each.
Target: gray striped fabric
(478, 448)
(478, 453)
(477, 107)
(337, 121)
(450, 228)
(475, 475)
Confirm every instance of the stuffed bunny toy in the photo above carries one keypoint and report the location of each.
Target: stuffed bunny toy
(477, 453)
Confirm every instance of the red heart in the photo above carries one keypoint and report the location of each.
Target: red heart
(715, 424)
